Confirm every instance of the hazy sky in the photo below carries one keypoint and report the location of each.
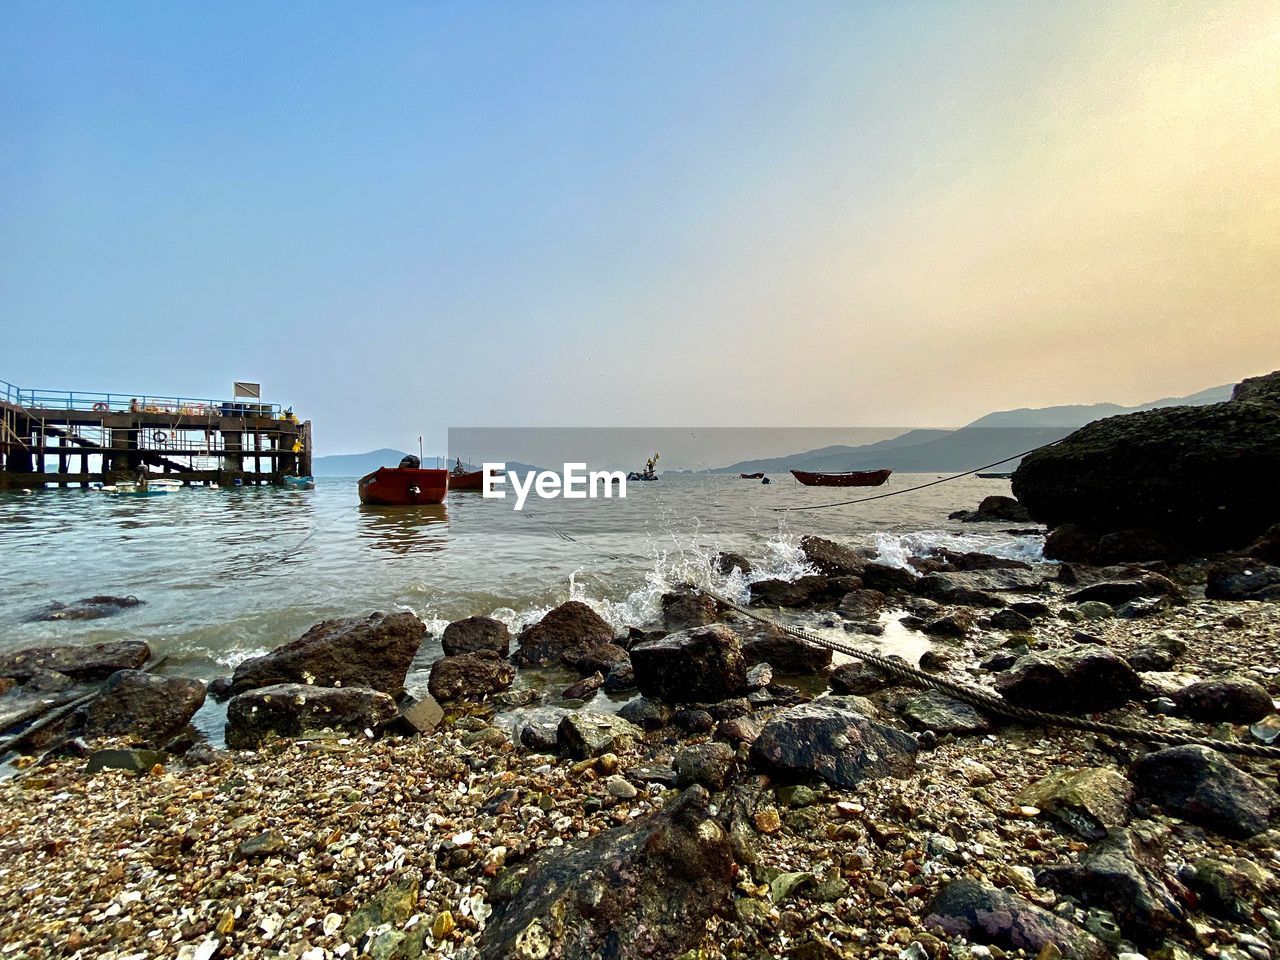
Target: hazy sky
(402, 217)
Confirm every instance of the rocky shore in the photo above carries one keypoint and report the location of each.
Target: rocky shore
(722, 812)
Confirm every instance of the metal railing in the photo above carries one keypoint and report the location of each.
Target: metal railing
(119, 403)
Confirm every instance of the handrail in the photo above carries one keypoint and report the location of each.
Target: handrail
(119, 403)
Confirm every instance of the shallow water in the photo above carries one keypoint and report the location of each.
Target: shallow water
(230, 573)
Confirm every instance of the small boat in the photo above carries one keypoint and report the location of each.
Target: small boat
(405, 485)
(851, 478)
(472, 480)
(300, 483)
(649, 472)
(751, 476)
(764, 480)
(994, 476)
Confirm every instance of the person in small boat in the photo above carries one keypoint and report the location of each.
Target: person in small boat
(458, 469)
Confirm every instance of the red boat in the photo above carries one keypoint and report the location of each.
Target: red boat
(751, 476)
(466, 481)
(404, 486)
(852, 478)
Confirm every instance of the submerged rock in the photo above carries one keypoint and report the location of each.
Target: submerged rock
(374, 651)
(647, 889)
(699, 665)
(299, 710)
(569, 627)
(88, 662)
(993, 509)
(1079, 679)
(986, 914)
(1204, 787)
(470, 676)
(149, 707)
(831, 738)
(475, 634)
(90, 608)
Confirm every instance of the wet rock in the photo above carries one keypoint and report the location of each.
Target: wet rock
(470, 676)
(759, 675)
(1204, 476)
(586, 734)
(1267, 546)
(144, 705)
(584, 688)
(646, 713)
(935, 661)
(993, 509)
(1121, 873)
(861, 604)
(830, 738)
(621, 676)
(1224, 700)
(1237, 579)
(801, 592)
(421, 716)
(726, 563)
(942, 560)
(711, 765)
(82, 663)
(887, 579)
(137, 761)
(934, 711)
(570, 626)
(1231, 889)
(694, 720)
(952, 625)
(1032, 609)
(738, 730)
(1010, 620)
(1078, 679)
(374, 651)
(986, 914)
(393, 905)
(699, 665)
(647, 889)
(764, 643)
(830, 558)
(980, 588)
(1087, 801)
(1159, 653)
(598, 659)
(300, 710)
(1094, 610)
(687, 608)
(89, 608)
(1202, 786)
(475, 634)
(1116, 592)
(47, 681)
(862, 678)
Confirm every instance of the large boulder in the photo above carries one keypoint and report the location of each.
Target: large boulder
(985, 914)
(570, 626)
(699, 665)
(1079, 679)
(301, 710)
(144, 705)
(648, 889)
(89, 662)
(1117, 592)
(583, 734)
(765, 643)
(1088, 800)
(1202, 786)
(475, 634)
(682, 609)
(374, 651)
(1204, 476)
(802, 592)
(470, 676)
(830, 558)
(980, 588)
(1224, 700)
(832, 738)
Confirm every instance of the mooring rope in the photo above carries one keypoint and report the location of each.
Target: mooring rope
(991, 703)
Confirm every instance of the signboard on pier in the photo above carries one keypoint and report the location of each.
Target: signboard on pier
(244, 388)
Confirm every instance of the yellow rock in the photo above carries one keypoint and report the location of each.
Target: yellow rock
(442, 926)
(768, 820)
(226, 923)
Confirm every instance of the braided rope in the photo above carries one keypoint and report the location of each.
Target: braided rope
(990, 703)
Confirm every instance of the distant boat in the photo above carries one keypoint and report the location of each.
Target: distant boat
(404, 486)
(852, 478)
(994, 476)
(467, 480)
(751, 476)
(300, 483)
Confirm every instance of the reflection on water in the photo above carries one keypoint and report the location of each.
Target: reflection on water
(405, 530)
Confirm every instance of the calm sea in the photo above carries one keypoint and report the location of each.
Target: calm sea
(230, 573)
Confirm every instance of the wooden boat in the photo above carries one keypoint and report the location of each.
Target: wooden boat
(404, 486)
(473, 480)
(751, 476)
(851, 478)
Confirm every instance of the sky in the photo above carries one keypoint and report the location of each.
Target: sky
(404, 217)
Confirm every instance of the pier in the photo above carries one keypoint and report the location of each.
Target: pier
(75, 438)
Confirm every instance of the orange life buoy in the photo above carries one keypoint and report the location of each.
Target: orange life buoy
(100, 407)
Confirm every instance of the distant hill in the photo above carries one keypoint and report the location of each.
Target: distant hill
(1004, 433)
(358, 464)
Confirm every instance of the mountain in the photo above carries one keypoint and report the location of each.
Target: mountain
(1005, 433)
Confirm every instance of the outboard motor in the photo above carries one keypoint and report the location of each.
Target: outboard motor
(410, 462)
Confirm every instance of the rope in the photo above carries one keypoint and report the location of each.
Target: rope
(991, 703)
(931, 483)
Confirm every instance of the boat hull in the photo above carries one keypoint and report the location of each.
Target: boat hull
(403, 487)
(467, 481)
(856, 478)
(751, 476)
